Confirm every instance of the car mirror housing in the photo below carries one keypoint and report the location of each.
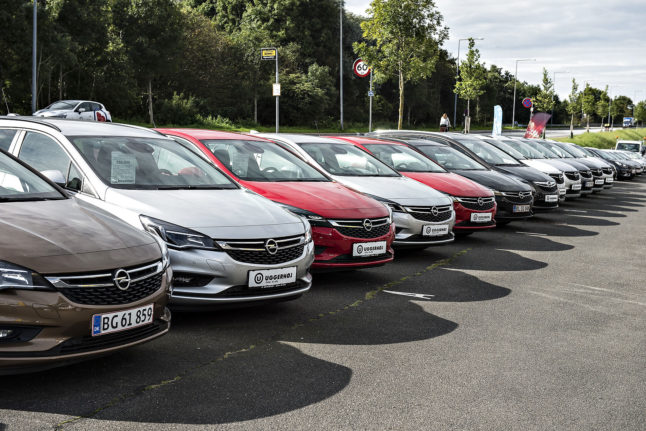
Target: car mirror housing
(54, 176)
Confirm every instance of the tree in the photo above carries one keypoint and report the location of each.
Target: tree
(603, 105)
(620, 108)
(544, 101)
(574, 104)
(640, 112)
(402, 40)
(472, 80)
(588, 103)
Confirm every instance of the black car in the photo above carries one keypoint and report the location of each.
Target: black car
(513, 197)
(624, 169)
(596, 166)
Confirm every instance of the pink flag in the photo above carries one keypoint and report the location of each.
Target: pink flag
(537, 125)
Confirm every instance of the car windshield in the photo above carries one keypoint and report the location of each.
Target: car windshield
(450, 159)
(560, 152)
(347, 160)
(628, 146)
(573, 150)
(17, 183)
(63, 104)
(506, 148)
(488, 153)
(547, 153)
(525, 149)
(261, 161)
(402, 158)
(148, 163)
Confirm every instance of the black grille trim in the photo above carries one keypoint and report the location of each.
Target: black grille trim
(472, 203)
(573, 175)
(264, 258)
(111, 295)
(425, 213)
(558, 178)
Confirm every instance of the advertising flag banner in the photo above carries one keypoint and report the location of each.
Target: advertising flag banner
(497, 121)
(537, 125)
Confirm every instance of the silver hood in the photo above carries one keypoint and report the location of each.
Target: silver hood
(220, 214)
(541, 166)
(401, 190)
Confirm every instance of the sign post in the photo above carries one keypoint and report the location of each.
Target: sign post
(272, 54)
(361, 69)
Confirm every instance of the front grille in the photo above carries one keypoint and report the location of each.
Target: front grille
(111, 295)
(243, 291)
(443, 213)
(357, 228)
(517, 198)
(425, 239)
(597, 172)
(258, 251)
(573, 175)
(586, 174)
(348, 258)
(558, 178)
(547, 189)
(477, 204)
(607, 171)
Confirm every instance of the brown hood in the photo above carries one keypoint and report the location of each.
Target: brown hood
(64, 236)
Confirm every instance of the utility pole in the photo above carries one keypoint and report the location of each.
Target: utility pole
(341, 62)
(34, 86)
(457, 76)
(513, 112)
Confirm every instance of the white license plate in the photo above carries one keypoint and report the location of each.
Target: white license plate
(576, 186)
(551, 198)
(599, 181)
(589, 184)
(272, 277)
(364, 249)
(435, 230)
(562, 192)
(121, 320)
(521, 208)
(480, 217)
(610, 180)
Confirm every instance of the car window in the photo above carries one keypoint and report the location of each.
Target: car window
(403, 158)
(17, 183)
(488, 153)
(6, 136)
(85, 105)
(43, 153)
(450, 158)
(347, 160)
(95, 106)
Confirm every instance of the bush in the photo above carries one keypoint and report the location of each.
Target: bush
(179, 110)
(217, 123)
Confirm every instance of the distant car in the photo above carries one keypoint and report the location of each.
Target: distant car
(636, 146)
(76, 110)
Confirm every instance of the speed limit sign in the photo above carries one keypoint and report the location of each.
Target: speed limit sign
(360, 68)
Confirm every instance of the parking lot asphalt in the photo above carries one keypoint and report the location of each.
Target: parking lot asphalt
(537, 325)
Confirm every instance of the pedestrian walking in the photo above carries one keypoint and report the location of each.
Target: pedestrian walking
(445, 124)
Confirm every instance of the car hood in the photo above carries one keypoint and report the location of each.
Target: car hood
(401, 190)
(590, 163)
(527, 173)
(450, 183)
(495, 180)
(562, 166)
(51, 113)
(541, 166)
(221, 214)
(327, 199)
(63, 236)
(575, 163)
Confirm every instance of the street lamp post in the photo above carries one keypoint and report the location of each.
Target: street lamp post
(33, 60)
(341, 63)
(513, 112)
(554, 91)
(457, 76)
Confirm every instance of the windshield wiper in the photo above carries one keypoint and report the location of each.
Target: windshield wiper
(227, 187)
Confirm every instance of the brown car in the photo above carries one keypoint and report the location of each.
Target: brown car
(74, 281)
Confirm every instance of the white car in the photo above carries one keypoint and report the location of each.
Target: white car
(76, 110)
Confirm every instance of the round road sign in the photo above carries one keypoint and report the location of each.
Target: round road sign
(360, 68)
(527, 102)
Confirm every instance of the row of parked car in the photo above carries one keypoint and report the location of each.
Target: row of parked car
(104, 225)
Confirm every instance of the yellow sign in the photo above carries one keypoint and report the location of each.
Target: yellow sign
(268, 53)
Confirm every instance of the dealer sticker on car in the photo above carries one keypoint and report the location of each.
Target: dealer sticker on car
(551, 198)
(480, 217)
(121, 320)
(609, 180)
(364, 249)
(599, 181)
(435, 230)
(272, 277)
(576, 186)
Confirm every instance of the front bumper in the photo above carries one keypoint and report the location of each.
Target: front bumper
(335, 250)
(205, 277)
(546, 197)
(506, 205)
(463, 218)
(409, 230)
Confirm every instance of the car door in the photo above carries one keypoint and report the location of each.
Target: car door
(85, 111)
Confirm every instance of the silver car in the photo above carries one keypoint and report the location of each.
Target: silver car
(227, 244)
(422, 215)
(86, 110)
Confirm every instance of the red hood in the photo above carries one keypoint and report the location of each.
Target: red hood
(453, 184)
(327, 199)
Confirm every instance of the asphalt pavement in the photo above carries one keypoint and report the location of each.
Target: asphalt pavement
(537, 325)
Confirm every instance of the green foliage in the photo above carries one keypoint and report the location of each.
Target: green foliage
(603, 105)
(544, 100)
(402, 40)
(605, 139)
(574, 99)
(178, 110)
(640, 112)
(216, 123)
(306, 97)
(472, 75)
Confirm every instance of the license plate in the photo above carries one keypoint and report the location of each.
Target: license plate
(589, 184)
(576, 186)
(121, 320)
(364, 249)
(562, 192)
(551, 198)
(521, 208)
(435, 230)
(272, 277)
(610, 180)
(480, 217)
(599, 181)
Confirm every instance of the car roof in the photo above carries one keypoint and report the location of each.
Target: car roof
(211, 134)
(305, 139)
(82, 128)
(368, 140)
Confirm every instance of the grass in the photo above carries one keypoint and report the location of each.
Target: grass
(606, 139)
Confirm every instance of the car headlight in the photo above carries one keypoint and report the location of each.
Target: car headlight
(393, 206)
(164, 250)
(308, 232)
(177, 237)
(313, 218)
(17, 277)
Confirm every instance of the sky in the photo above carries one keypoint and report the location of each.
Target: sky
(599, 42)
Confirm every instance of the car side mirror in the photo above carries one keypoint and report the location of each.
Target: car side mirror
(55, 176)
(81, 110)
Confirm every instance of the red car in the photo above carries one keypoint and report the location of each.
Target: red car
(475, 205)
(350, 230)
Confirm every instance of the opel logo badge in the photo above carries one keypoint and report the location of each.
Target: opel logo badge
(480, 201)
(271, 246)
(434, 211)
(121, 279)
(367, 225)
